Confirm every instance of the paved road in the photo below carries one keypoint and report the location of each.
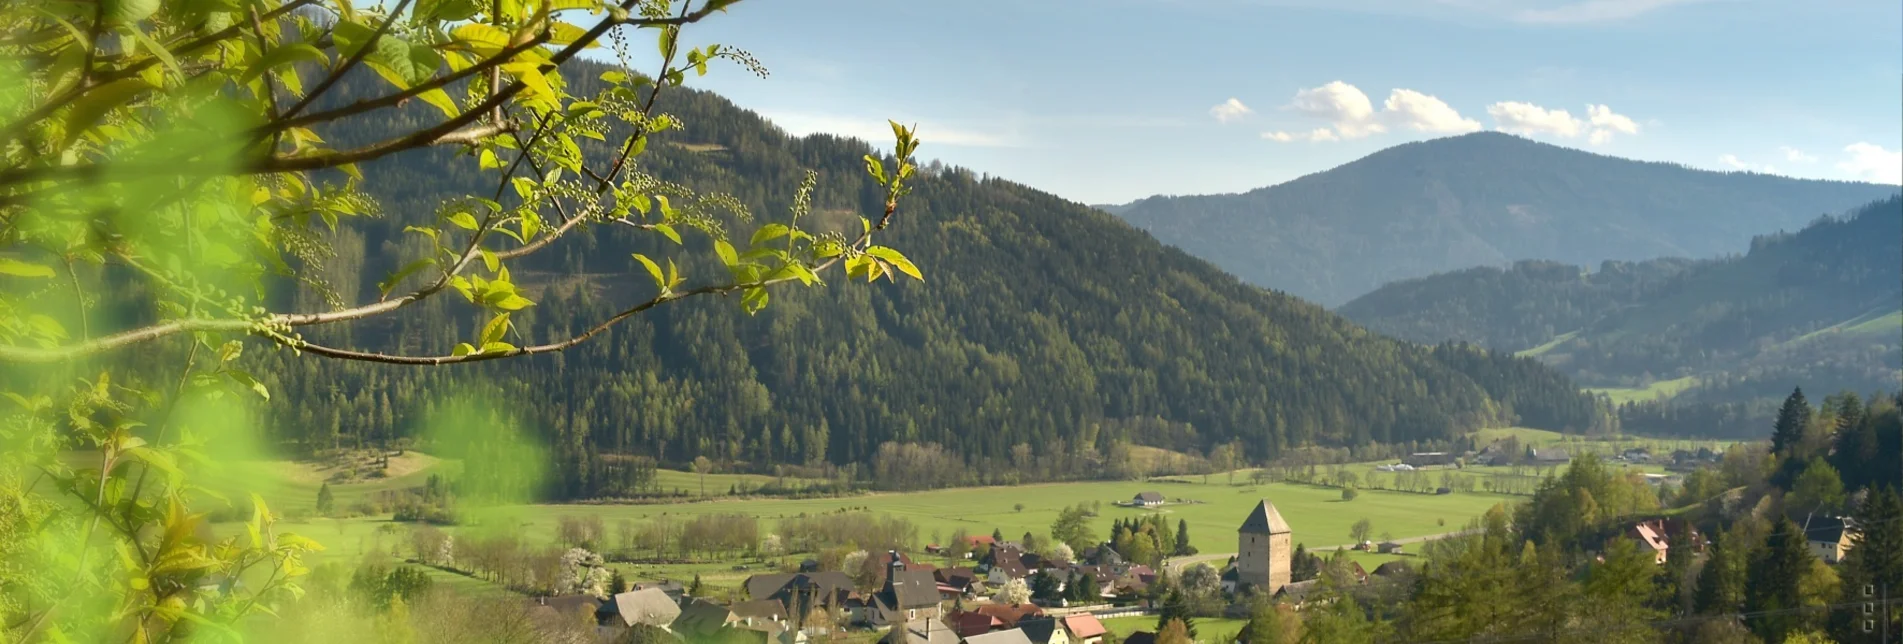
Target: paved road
(1177, 564)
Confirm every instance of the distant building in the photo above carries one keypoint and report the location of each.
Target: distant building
(1429, 459)
(1263, 549)
(1085, 629)
(651, 607)
(1648, 539)
(1389, 548)
(1147, 499)
(1830, 537)
(1551, 456)
(1012, 636)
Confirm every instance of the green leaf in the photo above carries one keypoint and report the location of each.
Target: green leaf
(653, 270)
(9, 266)
(286, 55)
(464, 220)
(725, 250)
(126, 12)
(246, 380)
(93, 106)
(496, 327)
(769, 233)
(514, 303)
(614, 76)
(446, 10)
(402, 273)
(489, 260)
(668, 232)
(463, 349)
(897, 260)
(496, 347)
(753, 300)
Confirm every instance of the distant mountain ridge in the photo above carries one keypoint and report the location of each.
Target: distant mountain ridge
(1486, 198)
(1821, 307)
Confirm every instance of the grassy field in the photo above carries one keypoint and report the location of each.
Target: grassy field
(1208, 629)
(1550, 344)
(1659, 390)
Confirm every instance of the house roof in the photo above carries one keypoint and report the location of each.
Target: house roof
(1649, 537)
(763, 608)
(955, 577)
(702, 616)
(1009, 614)
(1393, 568)
(973, 623)
(1140, 637)
(1298, 590)
(912, 634)
(1012, 636)
(1083, 625)
(650, 606)
(1822, 529)
(1150, 497)
(910, 589)
(1264, 520)
(777, 586)
(1039, 629)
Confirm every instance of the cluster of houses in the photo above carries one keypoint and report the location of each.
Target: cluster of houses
(919, 602)
(1829, 537)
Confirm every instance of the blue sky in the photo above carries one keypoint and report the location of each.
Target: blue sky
(1113, 100)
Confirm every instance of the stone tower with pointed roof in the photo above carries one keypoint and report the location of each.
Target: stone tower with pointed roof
(1262, 549)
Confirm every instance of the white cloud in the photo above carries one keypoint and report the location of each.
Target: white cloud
(1733, 161)
(1280, 136)
(1323, 134)
(1424, 113)
(1871, 162)
(1605, 123)
(878, 133)
(1527, 118)
(1341, 104)
(1595, 11)
(1230, 110)
(1794, 154)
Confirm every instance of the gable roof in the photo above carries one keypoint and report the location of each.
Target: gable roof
(650, 606)
(700, 616)
(972, 623)
(1010, 614)
(1013, 636)
(1150, 497)
(763, 608)
(1264, 520)
(1393, 568)
(1822, 529)
(780, 585)
(1649, 537)
(1084, 625)
(910, 589)
(1038, 629)
(910, 634)
(1140, 637)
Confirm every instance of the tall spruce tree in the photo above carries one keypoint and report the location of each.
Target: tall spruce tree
(1873, 569)
(1791, 419)
(1774, 579)
(1182, 537)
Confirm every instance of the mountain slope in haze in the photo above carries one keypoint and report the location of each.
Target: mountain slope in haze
(1821, 307)
(1486, 198)
(1040, 323)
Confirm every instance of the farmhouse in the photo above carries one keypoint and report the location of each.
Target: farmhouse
(1147, 499)
(1649, 540)
(1830, 537)
(1389, 548)
(1550, 456)
(802, 590)
(1044, 630)
(1085, 629)
(651, 607)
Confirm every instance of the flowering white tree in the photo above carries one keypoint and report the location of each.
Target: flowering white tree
(853, 561)
(1063, 552)
(1012, 593)
(772, 546)
(582, 572)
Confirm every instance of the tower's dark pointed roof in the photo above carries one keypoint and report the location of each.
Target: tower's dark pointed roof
(1264, 520)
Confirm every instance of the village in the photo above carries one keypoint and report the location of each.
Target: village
(1008, 594)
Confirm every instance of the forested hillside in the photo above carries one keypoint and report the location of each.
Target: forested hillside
(1040, 323)
(1823, 305)
(1515, 308)
(1487, 198)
